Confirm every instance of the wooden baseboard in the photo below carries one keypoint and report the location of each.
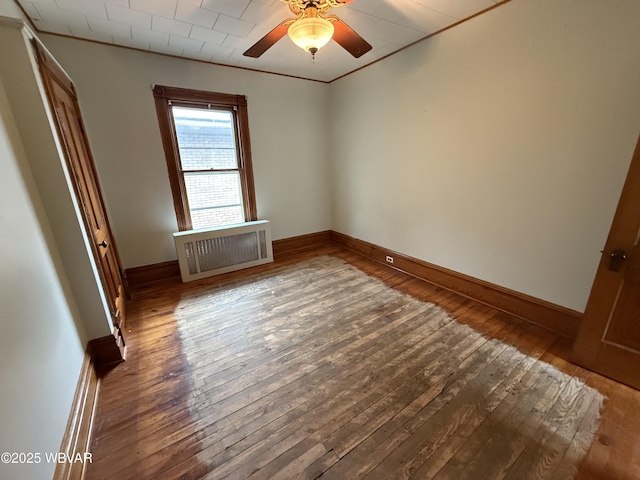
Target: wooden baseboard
(77, 436)
(152, 273)
(553, 317)
(106, 353)
(300, 243)
(560, 320)
(161, 271)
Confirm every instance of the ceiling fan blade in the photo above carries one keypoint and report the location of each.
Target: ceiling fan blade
(347, 38)
(269, 40)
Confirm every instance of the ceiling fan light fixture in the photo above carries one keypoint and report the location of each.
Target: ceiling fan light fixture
(311, 34)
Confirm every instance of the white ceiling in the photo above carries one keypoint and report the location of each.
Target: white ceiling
(220, 31)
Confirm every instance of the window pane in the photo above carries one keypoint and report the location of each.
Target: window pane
(206, 138)
(215, 198)
(216, 217)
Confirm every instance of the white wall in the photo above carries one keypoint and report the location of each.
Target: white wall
(42, 343)
(9, 8)
(498, 148)
(287, 120)
(25, 93)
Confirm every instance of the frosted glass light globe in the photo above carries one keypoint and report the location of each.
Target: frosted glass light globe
(310, 34)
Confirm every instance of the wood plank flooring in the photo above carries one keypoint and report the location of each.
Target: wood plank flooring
(322, 372)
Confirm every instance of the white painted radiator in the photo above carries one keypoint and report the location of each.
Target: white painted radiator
(212, 251)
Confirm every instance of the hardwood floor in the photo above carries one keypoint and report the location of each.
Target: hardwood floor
(210, 391)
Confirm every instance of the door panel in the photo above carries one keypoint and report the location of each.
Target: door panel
(71, 132)
(624, 326)
(608, 341)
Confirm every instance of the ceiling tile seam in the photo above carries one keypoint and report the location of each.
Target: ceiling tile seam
(500, 3)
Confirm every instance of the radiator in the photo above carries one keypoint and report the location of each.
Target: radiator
(212, 251)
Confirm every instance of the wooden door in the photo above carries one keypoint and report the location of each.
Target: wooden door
(64, 102)
(609, 338)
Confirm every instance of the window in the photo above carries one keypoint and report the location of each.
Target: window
(205, 137)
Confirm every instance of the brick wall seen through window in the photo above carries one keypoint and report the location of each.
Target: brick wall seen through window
(209, 161)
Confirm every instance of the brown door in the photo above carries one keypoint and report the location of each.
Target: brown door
(72, 135)
(609, 338)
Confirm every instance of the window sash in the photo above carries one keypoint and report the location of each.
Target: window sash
(226, 199)
(168, 97)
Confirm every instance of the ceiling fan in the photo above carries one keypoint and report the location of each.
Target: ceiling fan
(312, 28)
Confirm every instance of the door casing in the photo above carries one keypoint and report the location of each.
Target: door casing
(64, 104)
